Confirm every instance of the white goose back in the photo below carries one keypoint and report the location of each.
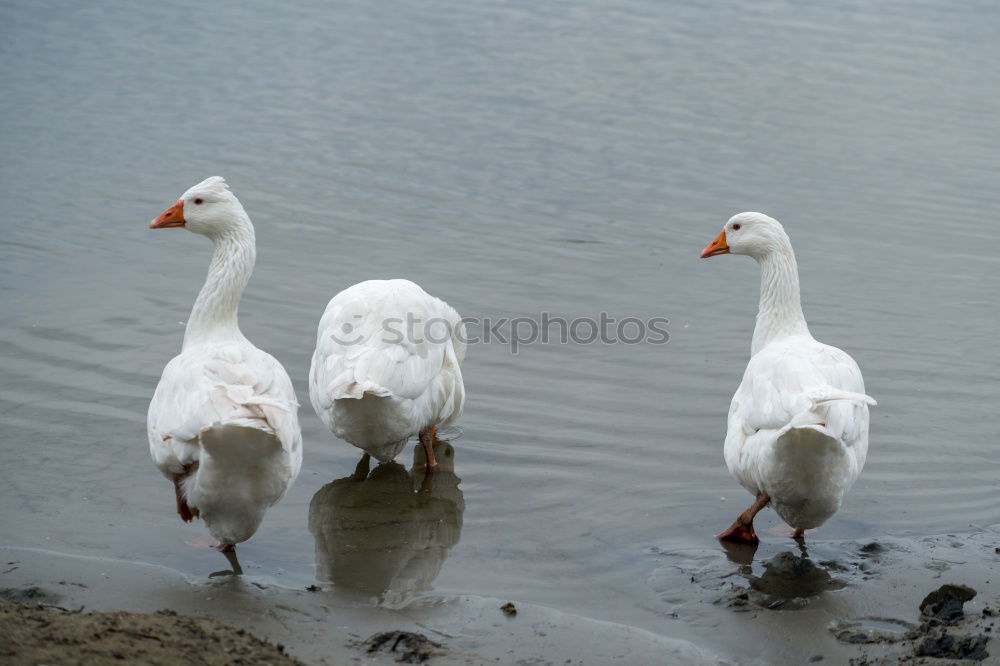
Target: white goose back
(798, 423)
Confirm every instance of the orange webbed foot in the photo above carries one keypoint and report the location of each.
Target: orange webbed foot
(739, 533)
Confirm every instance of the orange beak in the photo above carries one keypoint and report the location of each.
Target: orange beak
(171, 217)
(718, 246)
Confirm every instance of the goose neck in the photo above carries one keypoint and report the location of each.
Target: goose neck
(780, 312)
(214, 315)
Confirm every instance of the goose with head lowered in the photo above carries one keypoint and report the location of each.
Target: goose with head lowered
(223, 423)
(387, 367)
(797, 434)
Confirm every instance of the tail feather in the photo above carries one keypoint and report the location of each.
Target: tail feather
(357, 390)
(241, 394)
(817, 411)
(830, 394)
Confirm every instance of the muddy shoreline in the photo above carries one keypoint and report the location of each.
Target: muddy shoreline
(45, 634)
(319, 628)
(865, 603)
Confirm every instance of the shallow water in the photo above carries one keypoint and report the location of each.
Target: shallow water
(512, 158)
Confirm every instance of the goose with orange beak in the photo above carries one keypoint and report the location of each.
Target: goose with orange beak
(223, 423)
(797, 434)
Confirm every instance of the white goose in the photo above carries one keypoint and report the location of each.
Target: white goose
(386, 367)
(223, 423)
(798, 425)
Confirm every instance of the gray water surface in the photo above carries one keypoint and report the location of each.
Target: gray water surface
(513, 158)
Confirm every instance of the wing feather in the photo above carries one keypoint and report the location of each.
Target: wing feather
(385, 337)
(790, 378)
(217, 384)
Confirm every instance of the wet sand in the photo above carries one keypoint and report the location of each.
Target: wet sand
(856, 602)
(319, 628)
(845, 602)
(41, 633)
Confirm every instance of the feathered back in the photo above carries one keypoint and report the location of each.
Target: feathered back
(366, 343)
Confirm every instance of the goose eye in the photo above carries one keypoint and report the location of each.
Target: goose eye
(736, 227)
(199, 201)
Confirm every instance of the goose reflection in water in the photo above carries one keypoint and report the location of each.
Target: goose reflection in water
(387, 533)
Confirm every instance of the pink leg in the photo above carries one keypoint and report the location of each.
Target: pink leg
(790, 532)
(186, 512)
(741, 531)
(427, 436)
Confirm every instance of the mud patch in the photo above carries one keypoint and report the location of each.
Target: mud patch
(945, 632)
(871, 630)
(787, 583)
(37, 634)
(29, 595)
(946, 646)
(788, 576)
(875, 619)
(404, 646)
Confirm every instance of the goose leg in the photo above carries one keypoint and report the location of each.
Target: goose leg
(364, 465)
(229, 550)
(741, 530)
(186, 512)
(183, 510)
(427, 436)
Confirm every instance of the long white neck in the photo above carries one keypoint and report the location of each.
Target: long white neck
(213, 317)
(780, 313)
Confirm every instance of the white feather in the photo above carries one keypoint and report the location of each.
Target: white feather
(798, 423)
(386, 365)
(224, 416)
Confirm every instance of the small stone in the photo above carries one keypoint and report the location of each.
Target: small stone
(873, 548)
(945, 603)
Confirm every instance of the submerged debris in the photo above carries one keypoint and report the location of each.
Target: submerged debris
(29, 595)
(406, 646)
(873, 549)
